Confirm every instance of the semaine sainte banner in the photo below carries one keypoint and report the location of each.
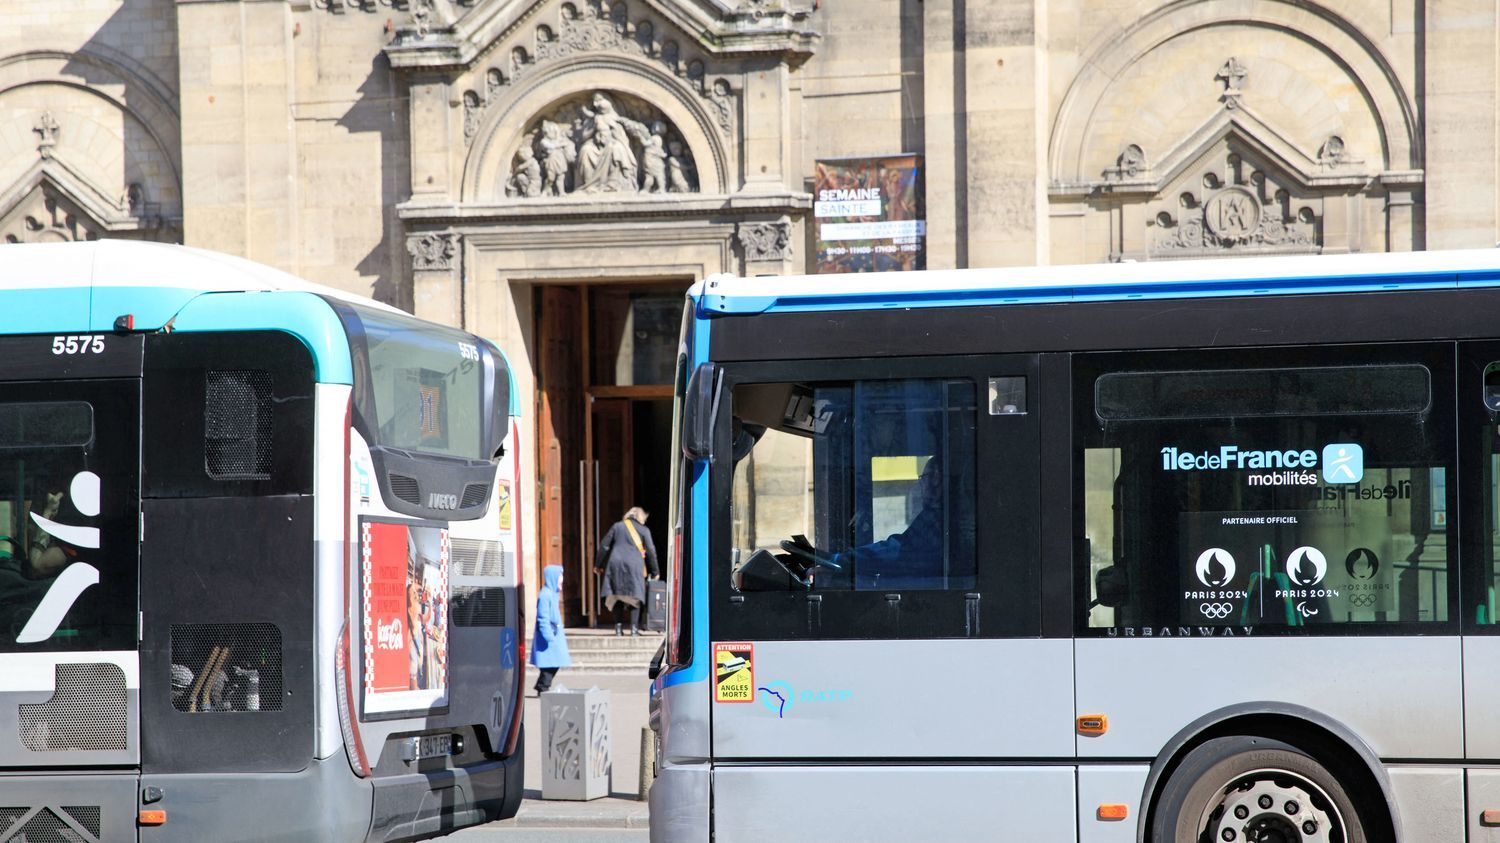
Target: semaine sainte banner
(868, 214)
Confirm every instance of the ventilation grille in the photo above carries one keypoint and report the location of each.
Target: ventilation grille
(477, 557)
(86, 712)
(237, 424)
(86, 816)
(405, 488)
(473, 606)
(77, 824)
(226, 667)
(475, 494)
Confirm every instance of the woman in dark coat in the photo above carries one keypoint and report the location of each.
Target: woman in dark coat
(626, 555)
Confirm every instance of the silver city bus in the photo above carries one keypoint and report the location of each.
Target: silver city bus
(1187, 551)
(257, 557)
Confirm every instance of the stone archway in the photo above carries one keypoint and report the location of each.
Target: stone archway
(1165, 126)
(647, 96)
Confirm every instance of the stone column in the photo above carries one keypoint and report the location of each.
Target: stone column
(1006, 132)
(1402, 233)
(946, 148)
(766, 128)
(239, 177)
(1459, 123)
(437, 276)
(433, 138)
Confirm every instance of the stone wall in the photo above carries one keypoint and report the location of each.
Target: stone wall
(296, 140)
(90, 143)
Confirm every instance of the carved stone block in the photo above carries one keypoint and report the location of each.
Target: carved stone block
(433, 251)
(765, 241)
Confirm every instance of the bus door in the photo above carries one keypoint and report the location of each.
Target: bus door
(874, 603)
(228, 592)
(69, 664)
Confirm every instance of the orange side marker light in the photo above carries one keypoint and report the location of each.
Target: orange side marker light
(1092, 725)
(152, 818)
(1489, 818)
(1113, 811)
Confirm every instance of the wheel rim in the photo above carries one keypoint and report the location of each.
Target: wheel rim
(1271, 806)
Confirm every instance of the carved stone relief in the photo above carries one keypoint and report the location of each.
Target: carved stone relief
(47, 129)
(433, 251)
(46, 217)
(1234, 206)
(593, 26)
(600, 143)
(765, 241)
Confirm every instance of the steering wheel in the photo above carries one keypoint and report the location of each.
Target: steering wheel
(807, 554)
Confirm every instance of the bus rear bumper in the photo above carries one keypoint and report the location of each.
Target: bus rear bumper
(679, 804)
(324, 801)
(426, 804)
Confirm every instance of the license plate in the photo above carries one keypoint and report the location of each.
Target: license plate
(428, 746)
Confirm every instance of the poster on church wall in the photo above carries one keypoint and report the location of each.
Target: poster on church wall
(869, 214)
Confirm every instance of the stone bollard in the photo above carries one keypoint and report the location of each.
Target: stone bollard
(576, 755)
(648, 763)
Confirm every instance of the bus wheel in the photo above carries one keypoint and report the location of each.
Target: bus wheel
(1254, 790)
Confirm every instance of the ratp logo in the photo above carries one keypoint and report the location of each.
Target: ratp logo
(1343, 462)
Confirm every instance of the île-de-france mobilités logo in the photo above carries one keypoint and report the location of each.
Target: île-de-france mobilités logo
(1343, 462)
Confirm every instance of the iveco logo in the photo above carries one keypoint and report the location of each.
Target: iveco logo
(437, 501)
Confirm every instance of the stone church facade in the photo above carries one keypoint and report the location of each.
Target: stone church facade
(545, 172)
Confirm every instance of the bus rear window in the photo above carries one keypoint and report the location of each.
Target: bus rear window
(417, 386)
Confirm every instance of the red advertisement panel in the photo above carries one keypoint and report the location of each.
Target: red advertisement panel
(405, 574)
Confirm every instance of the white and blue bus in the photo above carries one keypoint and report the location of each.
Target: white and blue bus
(1178, 551)
(258, 574)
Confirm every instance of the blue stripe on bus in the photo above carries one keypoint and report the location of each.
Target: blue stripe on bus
(45, 311)
(697, 670)
(303, 315)
(714, 305)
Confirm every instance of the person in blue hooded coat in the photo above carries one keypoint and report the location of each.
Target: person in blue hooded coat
(549, 644)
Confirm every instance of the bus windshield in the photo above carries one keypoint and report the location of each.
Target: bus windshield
(417, 387)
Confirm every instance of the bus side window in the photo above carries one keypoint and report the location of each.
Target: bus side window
(863, 485)
(1302, 496)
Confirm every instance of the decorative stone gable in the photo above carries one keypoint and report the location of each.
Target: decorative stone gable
(575, 29)
(1236, 183)
(630, 120)
(1230, 204)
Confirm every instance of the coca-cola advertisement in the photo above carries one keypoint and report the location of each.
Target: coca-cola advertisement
(405, 588)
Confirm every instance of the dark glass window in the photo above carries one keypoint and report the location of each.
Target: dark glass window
(68, 504)
(417, 386)
(1216, 502)
(859, 485)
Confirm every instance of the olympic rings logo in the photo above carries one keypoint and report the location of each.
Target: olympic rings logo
(1217, 611)
(1362, 601)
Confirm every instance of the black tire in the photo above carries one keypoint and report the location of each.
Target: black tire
(1224, 786)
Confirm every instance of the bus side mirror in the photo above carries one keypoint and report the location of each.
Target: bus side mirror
(698, 410)
(1111, 587)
